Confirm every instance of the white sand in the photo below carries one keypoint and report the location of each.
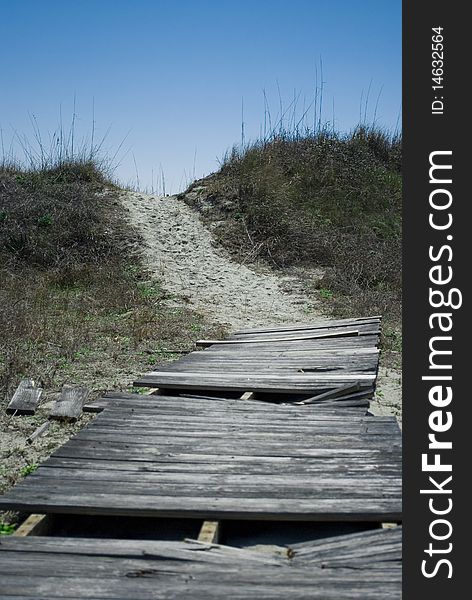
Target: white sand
(181, 252)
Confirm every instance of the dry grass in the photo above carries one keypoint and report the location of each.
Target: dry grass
(73, 288)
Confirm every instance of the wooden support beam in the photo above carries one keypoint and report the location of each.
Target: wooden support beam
(209, 532)
(36, 524)
(316, 336)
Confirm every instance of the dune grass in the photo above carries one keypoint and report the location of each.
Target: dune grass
(76, 304)
(321, 199)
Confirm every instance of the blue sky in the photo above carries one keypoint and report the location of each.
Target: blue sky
(172, 75)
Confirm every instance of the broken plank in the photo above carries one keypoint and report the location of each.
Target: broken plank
(25, 399)
(70, 403)
(338, 391)
(298, 338)
(351, 322)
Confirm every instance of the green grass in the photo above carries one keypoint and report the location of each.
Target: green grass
(28, 469)
(7, 528)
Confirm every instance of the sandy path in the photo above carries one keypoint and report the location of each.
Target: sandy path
(180, 252)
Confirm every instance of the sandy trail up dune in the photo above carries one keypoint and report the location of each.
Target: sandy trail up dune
(180, 251)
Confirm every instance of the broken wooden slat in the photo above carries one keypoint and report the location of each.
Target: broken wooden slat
(25, 399)
(140, 569)
(342, 390)
(38, 432)
(70, 403)
(308, 383)
(325, 324)
(297, 338)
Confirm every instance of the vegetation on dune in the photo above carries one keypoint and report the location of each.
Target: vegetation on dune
(76, 304)
(318, 199)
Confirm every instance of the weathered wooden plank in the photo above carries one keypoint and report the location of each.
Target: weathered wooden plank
(335, 392)
(311, 358)
(363, 328)
(359, 342)
(123, 401)
(264, 466)
(222, 428)
(326, 323)
(25, 399)
(155, 484)
(263, 382)
(70, 402)
(264, 588)
(370, 547)
(210, 508)
(288, 338)
(276, 367)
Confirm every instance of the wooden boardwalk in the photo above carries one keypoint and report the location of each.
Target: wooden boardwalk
(198, 458)
(299, 445)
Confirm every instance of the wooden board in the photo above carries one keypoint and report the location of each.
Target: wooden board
(286, 338)
(72, 568)
(25, 399)
(368, 549)
(325, 324)
(306, 333)
(242, 460)
(262, 382)
(70, 403)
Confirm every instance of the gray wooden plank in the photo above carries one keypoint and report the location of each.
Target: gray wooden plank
(362, 328)
(284, 338)
(260, 508)
(335, 392)
(115, 468)
(280, 383)
(325, 323)
(70, 402)
(25, 399)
